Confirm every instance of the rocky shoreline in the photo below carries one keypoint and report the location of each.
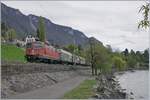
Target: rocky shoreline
(109, 88)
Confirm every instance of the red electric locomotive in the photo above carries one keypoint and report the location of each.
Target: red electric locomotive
(39, 51)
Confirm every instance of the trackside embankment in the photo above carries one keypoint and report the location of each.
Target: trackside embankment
(23, 77)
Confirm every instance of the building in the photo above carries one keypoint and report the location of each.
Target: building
(29, 39)
(20, 43)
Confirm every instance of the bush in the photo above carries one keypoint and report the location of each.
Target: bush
(119, 63)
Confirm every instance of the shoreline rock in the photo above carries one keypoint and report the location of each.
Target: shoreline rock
(109, 88)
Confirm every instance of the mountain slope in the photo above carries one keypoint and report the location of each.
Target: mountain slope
(56, 34)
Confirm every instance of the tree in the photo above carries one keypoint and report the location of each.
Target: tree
(4, 30)
(139, 57)
(80, 49)
(126, 52)
(4, 35)
(132, 52)
(109, 49)
(11, 34)
(91, 49)
(38, 33)
(131, 62)
(145, 23)
(102, 59)
(71, 48)
(119, 63)
(146, 56)
(41, 30)
(99, 57)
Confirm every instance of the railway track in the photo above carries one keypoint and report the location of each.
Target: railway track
(8, 68)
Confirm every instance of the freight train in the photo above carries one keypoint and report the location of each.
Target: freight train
(39, 51)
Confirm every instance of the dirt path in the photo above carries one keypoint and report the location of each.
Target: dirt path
(56, 91)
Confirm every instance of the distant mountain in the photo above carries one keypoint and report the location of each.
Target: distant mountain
(15, 19)
(24, 25)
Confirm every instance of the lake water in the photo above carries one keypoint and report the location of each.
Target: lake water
(136, 82)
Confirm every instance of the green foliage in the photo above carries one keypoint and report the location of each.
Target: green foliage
(12, 53)
(41, 30)
(83, 91)
(75, 49)
(136, 59)
(119, 63)
(109, 49)
(145, 23)
(126, 52)
(71, 48)
(5, 36)
(146, 56)
(139, 56)
(131, 61)
(102, 59)
(4, 29)
(7, 33)
(11, 34)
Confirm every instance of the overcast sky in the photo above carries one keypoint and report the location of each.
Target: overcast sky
(112, 22)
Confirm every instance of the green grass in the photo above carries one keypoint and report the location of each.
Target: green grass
(12, 53)
(83, 91)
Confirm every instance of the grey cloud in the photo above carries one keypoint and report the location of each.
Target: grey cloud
(112, 22)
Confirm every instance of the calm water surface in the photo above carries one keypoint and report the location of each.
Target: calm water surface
(136, 82)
